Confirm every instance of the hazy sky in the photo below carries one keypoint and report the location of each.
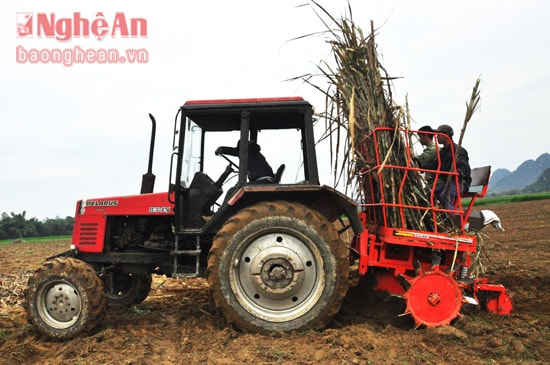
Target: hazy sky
(82, 131)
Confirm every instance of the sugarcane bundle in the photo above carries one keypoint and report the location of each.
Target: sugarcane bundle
(358, 102)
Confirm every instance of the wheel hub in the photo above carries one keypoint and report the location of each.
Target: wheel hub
(434, 298)
(277, 273)
(62, 302)
(277, 276)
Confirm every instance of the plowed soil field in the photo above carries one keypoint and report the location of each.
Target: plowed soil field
(178, 324)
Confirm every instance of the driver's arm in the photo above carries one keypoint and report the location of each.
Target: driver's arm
(231, 151)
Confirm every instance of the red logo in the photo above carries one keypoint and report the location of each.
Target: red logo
(23, 22)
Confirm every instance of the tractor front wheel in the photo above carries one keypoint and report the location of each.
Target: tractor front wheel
(65, 298)
(278, 266)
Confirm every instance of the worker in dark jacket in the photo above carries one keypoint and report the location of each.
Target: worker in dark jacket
(259, 171)
(447, 192)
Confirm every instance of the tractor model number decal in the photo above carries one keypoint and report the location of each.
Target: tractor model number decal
(102, 203)
(159, 209)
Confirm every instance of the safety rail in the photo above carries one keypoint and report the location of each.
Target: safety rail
(387, 199)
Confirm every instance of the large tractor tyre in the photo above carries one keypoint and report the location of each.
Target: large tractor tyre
(125, 289)
(64, 298)
(278, 266)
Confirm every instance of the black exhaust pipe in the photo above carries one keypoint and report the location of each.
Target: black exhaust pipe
(148, 179)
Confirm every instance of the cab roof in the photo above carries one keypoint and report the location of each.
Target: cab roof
(265, 113)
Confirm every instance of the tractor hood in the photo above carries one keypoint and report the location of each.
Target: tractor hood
(142, 204)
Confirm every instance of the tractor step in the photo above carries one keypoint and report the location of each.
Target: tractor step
(180, 275)
(185, 252)
(193, 253)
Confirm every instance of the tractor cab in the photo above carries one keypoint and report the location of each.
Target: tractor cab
(209, 181)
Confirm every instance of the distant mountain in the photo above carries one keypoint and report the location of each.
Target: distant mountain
(498, 175)
(541, 185)
(527, 173)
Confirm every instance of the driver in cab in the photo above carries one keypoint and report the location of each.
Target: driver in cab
(259, 171)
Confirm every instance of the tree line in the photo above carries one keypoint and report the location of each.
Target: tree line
(16, 225)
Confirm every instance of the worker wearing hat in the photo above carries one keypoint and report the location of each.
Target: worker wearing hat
(428, 158)
(447, 193)
(426, 138)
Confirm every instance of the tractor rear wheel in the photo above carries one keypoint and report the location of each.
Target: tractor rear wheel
(65, 298)
(125, 289)
(278, 266)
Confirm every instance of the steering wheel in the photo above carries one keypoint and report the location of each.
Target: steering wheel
(228, 170)
(231, 163)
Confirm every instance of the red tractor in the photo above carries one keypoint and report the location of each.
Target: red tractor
(269, 248)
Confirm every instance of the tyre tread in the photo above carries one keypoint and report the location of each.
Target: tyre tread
(284, 209)
(86, 277)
